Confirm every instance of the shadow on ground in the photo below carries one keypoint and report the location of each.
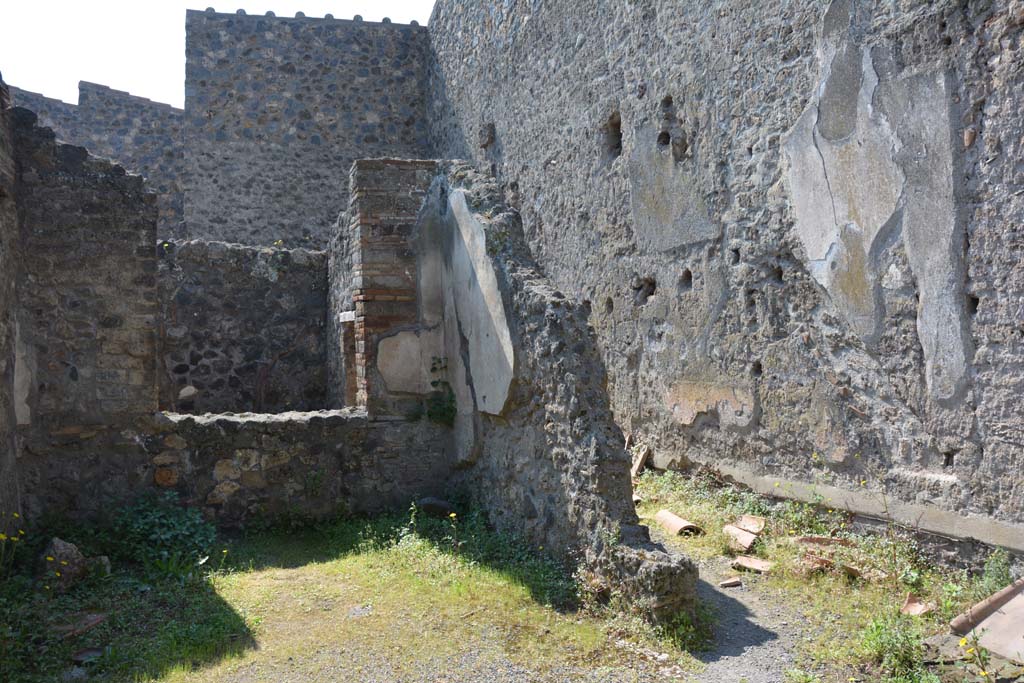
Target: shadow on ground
(736, 631)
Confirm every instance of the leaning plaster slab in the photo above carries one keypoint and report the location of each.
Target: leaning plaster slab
(479, 309)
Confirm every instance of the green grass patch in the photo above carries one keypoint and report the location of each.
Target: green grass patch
(395, 593)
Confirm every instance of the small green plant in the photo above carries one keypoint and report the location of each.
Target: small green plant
(441, 404)
(801, 676)
(11, 540)
(976, 661)
(176, 566)
(315, 482)
(996, 575)
(692, 632)
(893, 642)
(156, 527)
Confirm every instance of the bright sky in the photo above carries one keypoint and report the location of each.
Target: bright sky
(47, 46)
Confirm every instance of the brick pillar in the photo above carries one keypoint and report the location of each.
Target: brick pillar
(386, 197)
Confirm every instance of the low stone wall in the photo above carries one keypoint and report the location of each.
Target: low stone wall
(242, 328)
(240, 467)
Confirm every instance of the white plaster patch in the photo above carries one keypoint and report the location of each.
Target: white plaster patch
(894, 169)
(734, 405)
(405, 360)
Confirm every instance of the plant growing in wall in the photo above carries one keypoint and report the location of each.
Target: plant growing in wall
(441, 402)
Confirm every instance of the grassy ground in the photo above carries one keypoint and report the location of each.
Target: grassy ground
(409, 598)
(851, 623)
(346, 600)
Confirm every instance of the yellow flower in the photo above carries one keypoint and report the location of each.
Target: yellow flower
(970, 650)
(15, 539)
(64, 562)
(21, 532)
(49, 559)
(452, 515)
(15, 515)
(56, 574)
(3, 537)
(984, 674)
(963, 641)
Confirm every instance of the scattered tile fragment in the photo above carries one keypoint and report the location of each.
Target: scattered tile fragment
(676, 525)
(740, 540)
(914, 606)
(82, 623)
(87, 655)
(812, 564)
(823, 540)
(751, 523)
(752, 564)
(640, 461)
(731, 582)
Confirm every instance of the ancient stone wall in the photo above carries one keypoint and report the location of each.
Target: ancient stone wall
(797, 225)
(242, 468)
(278, 109)
(87, 289)
(543, 454)
(241, 328)
(9, 491)
(143, 136)
(453, 318)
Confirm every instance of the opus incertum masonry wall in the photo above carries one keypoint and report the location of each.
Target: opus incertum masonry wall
(780, 239)
(142, 135)
(277, 109)
(798, 226)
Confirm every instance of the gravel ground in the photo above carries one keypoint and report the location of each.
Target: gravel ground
(755, 635)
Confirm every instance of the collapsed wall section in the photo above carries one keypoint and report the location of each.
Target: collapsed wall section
(797, 226)
(279, 108)
(10, 499)
(241, 328)
(143, 136)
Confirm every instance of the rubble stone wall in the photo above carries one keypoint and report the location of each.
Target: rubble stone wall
(87, 286)
(143, 136)
(240, 468)
(277, 109)
(10, 500)
(797, 226)
(241, 328)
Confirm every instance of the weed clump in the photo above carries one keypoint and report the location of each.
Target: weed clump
(894, 643)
